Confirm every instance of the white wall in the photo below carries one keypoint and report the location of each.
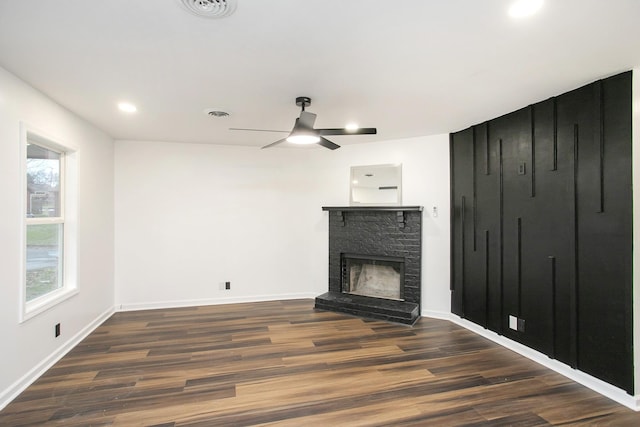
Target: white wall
(189, 217)
(29, 347)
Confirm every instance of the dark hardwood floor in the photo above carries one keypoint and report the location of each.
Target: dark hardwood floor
(282, 363)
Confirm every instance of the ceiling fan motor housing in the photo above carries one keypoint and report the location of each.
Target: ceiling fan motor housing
(303, 101)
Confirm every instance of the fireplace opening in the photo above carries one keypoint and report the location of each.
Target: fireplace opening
(373, 276)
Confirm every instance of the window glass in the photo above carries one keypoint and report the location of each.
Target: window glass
(44, 222)
(44, 259)
(43, 182)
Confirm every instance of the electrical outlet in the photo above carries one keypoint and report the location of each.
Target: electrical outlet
(57, 330)
(434, 212)
(516, 323)
(520, 325)
(513, 322)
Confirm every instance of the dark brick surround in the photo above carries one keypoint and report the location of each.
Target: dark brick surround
(376, 231)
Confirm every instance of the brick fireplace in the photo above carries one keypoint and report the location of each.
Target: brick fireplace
(374, 262)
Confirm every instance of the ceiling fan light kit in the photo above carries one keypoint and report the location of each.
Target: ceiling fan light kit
(303, 132)
(303, 139)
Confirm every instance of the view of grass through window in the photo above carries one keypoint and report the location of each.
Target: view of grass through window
(44, 244)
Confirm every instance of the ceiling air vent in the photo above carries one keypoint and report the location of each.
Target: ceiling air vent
(210, 8)
(216, 112)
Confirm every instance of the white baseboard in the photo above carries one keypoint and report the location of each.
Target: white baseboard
(614, 393)
(442, 315)
(36, 372)
(216, 301)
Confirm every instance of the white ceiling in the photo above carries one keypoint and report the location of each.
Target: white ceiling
(407, 67)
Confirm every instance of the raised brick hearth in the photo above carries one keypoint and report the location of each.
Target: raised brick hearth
(378, 233)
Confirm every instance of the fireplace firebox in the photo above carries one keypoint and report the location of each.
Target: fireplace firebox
(373, 276)
(374, 262)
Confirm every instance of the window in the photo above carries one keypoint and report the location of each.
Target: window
(49, 237)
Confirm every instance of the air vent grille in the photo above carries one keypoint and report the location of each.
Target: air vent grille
(215, 112)
(210, 8)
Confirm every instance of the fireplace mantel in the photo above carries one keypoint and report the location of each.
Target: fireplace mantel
(372, 208)
(401, 211)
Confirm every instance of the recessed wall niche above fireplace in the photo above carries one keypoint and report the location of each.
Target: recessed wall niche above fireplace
(374, 262)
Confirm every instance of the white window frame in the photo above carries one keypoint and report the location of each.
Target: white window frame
(68, 217)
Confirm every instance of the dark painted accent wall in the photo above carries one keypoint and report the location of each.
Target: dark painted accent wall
(541, 227)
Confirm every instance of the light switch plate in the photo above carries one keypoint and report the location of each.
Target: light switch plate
(522, 168)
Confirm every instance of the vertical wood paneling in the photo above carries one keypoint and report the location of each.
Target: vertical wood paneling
(452, 215)
(501, 169)
(552, 264)
(461, 147)
(573, 306)
(605, 238)
(519, 263)
(532, 113)
(463, 250)
(557, 246)
(599, 136)
(487, 152)
(474, 185)
(482, 281)
(554, 165)
(486, 275)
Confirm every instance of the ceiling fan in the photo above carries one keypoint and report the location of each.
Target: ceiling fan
(304, 133)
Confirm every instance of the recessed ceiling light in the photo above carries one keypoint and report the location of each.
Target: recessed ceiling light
(352, 127)
(127, 107)
(524, 8)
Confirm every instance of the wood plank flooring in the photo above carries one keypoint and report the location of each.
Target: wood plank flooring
(284, 363)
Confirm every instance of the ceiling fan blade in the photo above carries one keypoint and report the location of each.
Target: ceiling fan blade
(274, 143)
(261, 130)
(328, 144)
(359, 131)
(306, 120)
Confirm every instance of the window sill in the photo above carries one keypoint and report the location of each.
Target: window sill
(45, 302)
